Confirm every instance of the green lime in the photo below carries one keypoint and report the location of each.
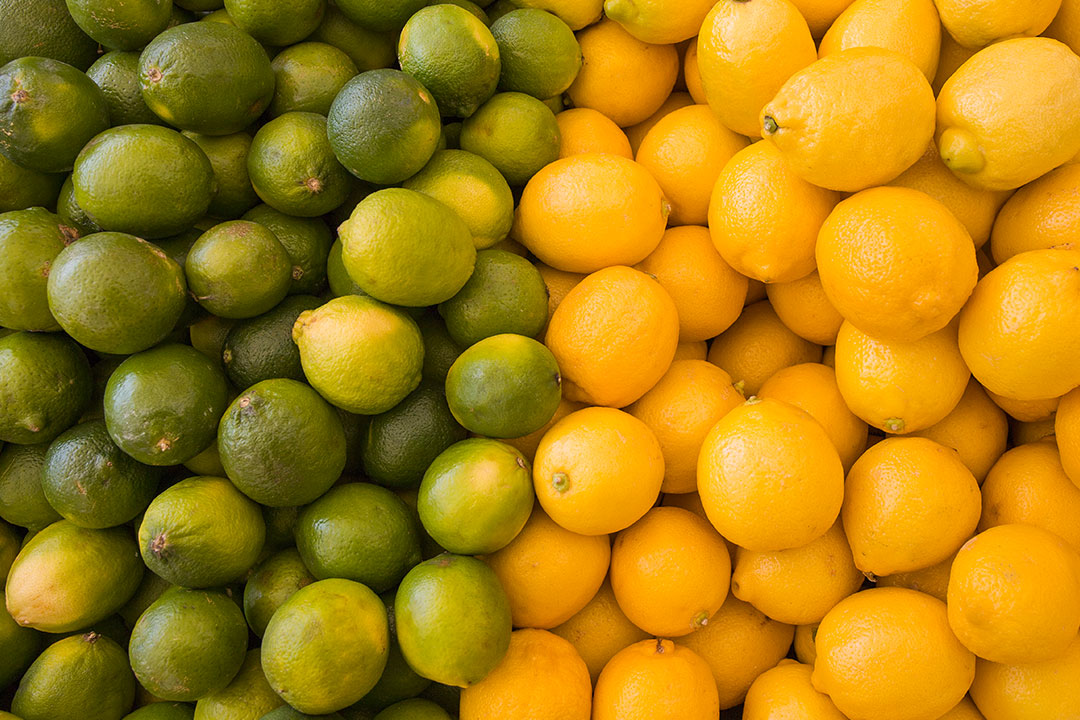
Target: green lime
(228, 158)
(355, 427)
(43, 28)
(9, 548)
(406, 248)
(326, 646)
(208, 336)
(398, 680)
(306, 240)
(504, 386)
(150, 589)
(282, 22)
(30, 240)
(358, 531)
(162, 406)
(440, 350)
(472, 187)
(201, 532)
(402, 442)
(188, 644)
(451, 140)
(82, 676)
(21, 645)
(200, 5)
(163, 711)
(22, 188)
(383, 126)
(45, 386)
(540, 55)
(369, 50)
(145, 180)
(361, 355)
(238, 269)
(68, 578)
(428, 547)
(121, 25)
(91, 482)
(516, 133)
(452, 54)
(281, 444)
(476, 496)
(48, 112)
(116, 293)
(271, 584)
(22, 498)
(338, 276)
(247, 696)
(117, 74)
(111, 627)
(293, 168)
(179, 16)
(207, 462)
(499, 8)
(413, 709)
(308, 77)
(68, 210)
(506, 294)
(206, 77)
(262, 348)
(280, 523)
(289, 713)
(476, 10)
(219, 15)
(380, 15)
(453, 619)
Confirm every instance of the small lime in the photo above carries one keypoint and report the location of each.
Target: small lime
(21, 645)
(22, 188)
(516, 133)
(308, 77)
(68, 210)
(117, 74)
(247, 696)
(540, 55)
(307, 242)
(121, 25)
(45, 385)
(261, 348)
(43, 28)
(338, 276)
(506, 294)
(163, 711)
(368, 49)
(238, 269)
(22, 499)
(380, 15)
(30, 240)
(272, 583)
(413, 709)
(228, 157)
(279, 22)
(397, 682)
(440, 350)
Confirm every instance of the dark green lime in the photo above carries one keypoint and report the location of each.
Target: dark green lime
(440, 350)
(117, 74)
(45, 386)
(261, 348)
(308, 77)
(30, 240)
(121, 25)
(208, 336)
(505, 294)
(69, 211)
(228, 157)
(368, 49)
(22, 498)
(238, 269)
(380, 15)
(306, 240)
(22, 188)
(273, 582)
(44, 28)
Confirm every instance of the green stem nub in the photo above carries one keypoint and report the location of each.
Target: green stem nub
(769, 125)
(561, 482)
(894, 425)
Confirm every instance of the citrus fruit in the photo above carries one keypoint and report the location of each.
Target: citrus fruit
(117, 74)
(368, 49)
(1067, 430)
(22, 497)
(121, 26)
(538, 52)
(584, 130)
(46, 386)
(22, 188)
(413, 709)
(228, 158)
(656, 679)
(30, 240)
(636, 133)
(910, 27)
(1042, 214)
(307, 242)
(505, 294)
(599, 630)
(22, 646)
(976, 428)
(308, 76)
(45, 29)
(282, 23)
(238, 269)
(515, 132)
(786, 690)
(272, 582)
(658, 21)
(1029, 690)
(261, 348)
(975, 25)
(249, 692)
(380, 15)
(575, 13)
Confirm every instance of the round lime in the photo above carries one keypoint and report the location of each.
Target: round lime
(282, 22)
(516, 133)
(506, 294)
(121, 25)
(238, 269)
(272, 583)
(308, 77)
(540, 55)
(30, 240)
(117, 74)
(45, 385)
(228, 158)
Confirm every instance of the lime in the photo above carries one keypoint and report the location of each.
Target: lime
(440, 350)
(506, 294)
(308, 77)
(21, 645)
(472, 187)
(201, 532)
(121, 25)
(383, 126)
(271, 584)
(452, 54)
(48, 111)
(282, 22)
(116, 293)
(9, 548)
(22, 499)
(43, 28)
(337, 275)
(22, 188)
(326, 646)
(163, 711)
(368, 49)
(145, 180)
(162, 406)
(453, 619)
(355, 427)
(207, 462)
(238, 269)
(307, 242)
(504, 386)
(262, 348)
(406, 248)
(45, 385)
(208, 336)
(247, 696)
(91, 482)
(82, 676)
(397, 682)
(516, 133)
(281, 444)
(293, 168)
(188, 644)
(289, 713)
(68, 210)
(476, 496)
(361, 355)
(228, 158)
(150, 589)
(117, 74)
(413, 709)
(206, 77)
(499, 8)
(68, 578)
(540, 55)
(476, 10)
(358, 531)
(380, 15)
(30, 240)
(200, 5)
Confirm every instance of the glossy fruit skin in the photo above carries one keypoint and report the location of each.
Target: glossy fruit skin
(30, 240)
(121, 27)
(49, 389)
(910, 27)
(656, 679)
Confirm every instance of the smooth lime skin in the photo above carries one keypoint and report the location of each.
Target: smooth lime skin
(308, 76)
(381, 15)
(22, 498)
(278, 23)
(261, 348)
(272, 583)
(247, 696)
(515, 132)
(368, 49)
(22, 188)
(30, 240)
(43, 28)
(121, 26)
(228, 158)
(47, 386)
(540, 55)
(238, 269)
(307, 242)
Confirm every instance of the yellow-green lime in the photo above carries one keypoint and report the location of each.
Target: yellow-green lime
(30, 240)
(207, 462)
(249, 695)
(540, 55)
(116, 293)
(43, 28)
(476, 10)
(45, 385)
(308, 76)
(117, 74)
(162, 406)
(504, 386)
(272, 583)
(368, 49)
(22, 498)
(68, 210)
(453, 54)
(121, 25)
(22, 188)
(146, 180)
(516, 133)
(238, 269)
(228, 158)
(21, 645)
(289, 713)
(380, 15)
(499, 8)
(383, 126)
(413, 709)
(67, 578)
(358, 531)
(473, 188)
(337, 276)
(440, 350)
(307, 242)
(282, 22)
(201, 532)
(261, 348)
(285, 425)
(163, 711)
(326, 646)
(407, 248)
(476, 496)
(150, 589)
(361, 355)
(188, 644)
(397, 682)
(208, 335)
